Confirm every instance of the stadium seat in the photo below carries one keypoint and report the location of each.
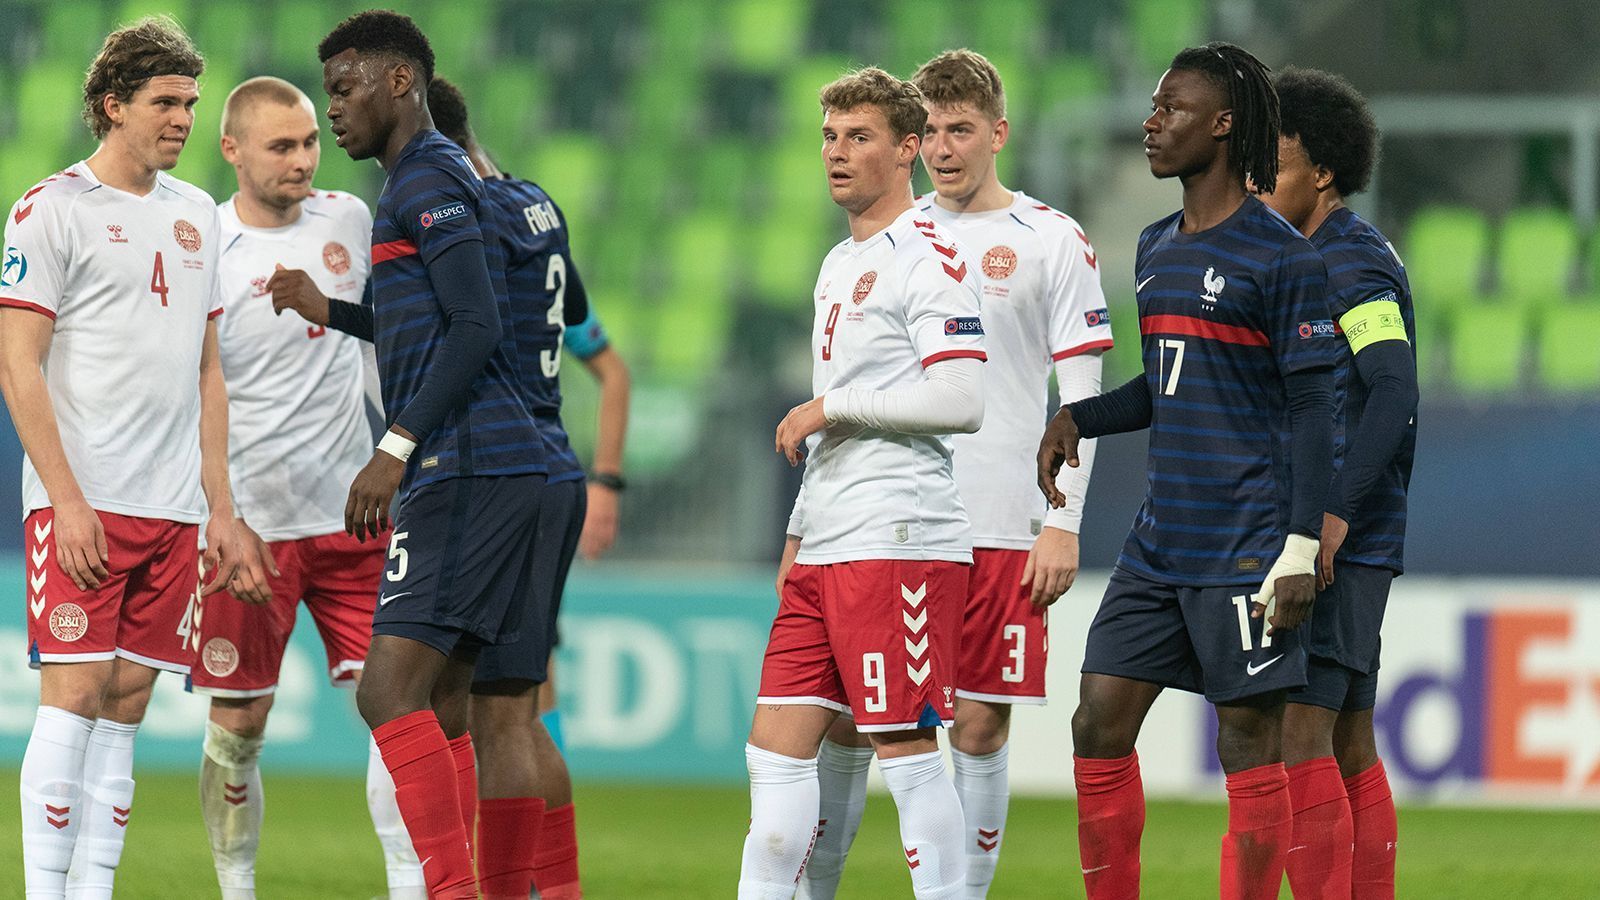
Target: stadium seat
(917, 29)
(1012, 26)
(766, 35)
(573, 166)
(462, 35)
(297, 27)
(507, 104)
(1569, 351)
(230, 30)
(1445, 252)
(22, 165)
(73, 30)
(1488, 347)
(1159, 28)
(130, 11)
(52, 95)
(1538, 255)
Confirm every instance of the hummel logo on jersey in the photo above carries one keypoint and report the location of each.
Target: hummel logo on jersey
(1253, 670)
(116, 234)
(442, 213)
(1214, 284)
(383, 599)
(1140, 286)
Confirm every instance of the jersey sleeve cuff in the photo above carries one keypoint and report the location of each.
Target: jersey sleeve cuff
(1102, 344)
(214, 313)
(18, 303)
(943, 355)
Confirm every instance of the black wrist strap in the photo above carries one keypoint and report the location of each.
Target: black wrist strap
(610, 480)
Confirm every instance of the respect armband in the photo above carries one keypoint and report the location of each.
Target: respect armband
(1373, 321)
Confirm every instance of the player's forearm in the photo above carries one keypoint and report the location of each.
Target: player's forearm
(1077, 378)
(460, 279)
(1310, 395)
(28, 400)
(797, 518)
(950, 401)
(214, 431)
(354, 319)
(1390, 374)
(616, 386)
(1127, 408)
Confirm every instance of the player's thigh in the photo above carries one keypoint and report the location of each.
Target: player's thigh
(77, 687)
(68, 625)
(1139, 633)
(895, 630)
(1347, 618)
(239, 646)
(794, 730)
(798, 668)
(1238, 659)
(341, 592)
(163, 595)
(128, 692)
(1004, 641)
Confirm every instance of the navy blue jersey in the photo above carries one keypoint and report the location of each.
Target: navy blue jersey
(1225, 315)
(432, 202)
(1364, 269)
(545, 293)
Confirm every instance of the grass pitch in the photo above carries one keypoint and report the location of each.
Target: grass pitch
(651, 842)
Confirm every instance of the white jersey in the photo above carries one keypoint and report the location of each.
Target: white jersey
(1042, 302)
(886, 308)
(297, 424)
(130, 283)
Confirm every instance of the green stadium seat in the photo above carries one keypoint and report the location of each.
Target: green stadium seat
(917, 29)
(1006, 26)
(666, 105)
(681, 36)
(52, 94)
(1160, 28)
(74, 30)
(1538, 255)
(297, 27)
(1488, 347)
(1446, 250)
(766, 35)
(462, 36)
(229, 31)
(23, 164)
(572, 165)
(507, 104)
(1569, 351)
(130, 11)
(800, 112)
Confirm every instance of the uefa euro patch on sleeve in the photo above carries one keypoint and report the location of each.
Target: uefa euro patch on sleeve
(963, 325)
(442, 214)
(1376, 320)
(1316, 328)
(1097, 317)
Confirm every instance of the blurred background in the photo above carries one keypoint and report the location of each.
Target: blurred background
(681, 139)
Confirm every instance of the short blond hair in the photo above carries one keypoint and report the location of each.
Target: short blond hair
(899, 101)
(253, 92)
(131, 56)
(962, 77)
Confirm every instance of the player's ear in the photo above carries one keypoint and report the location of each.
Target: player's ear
(1222, 126)
(230, 149)
(910, 147)
(401, 78)
(1322, 177)
(112, 108)
(1002, 133)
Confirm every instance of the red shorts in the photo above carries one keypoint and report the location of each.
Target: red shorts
(142, 611)
(877, 638)
(1004, 644)
(240, 645)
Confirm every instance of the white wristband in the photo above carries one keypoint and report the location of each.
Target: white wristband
(397, 445)
(1299, 556)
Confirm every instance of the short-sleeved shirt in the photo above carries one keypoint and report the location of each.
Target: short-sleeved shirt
(130, 283)
(297, 423)
(1225, 315)
(545, 294)
(1040, 289)
(1366, 275)
(433, 201)
(887, 308)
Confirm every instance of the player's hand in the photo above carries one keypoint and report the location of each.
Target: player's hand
(1334, 530)
(802, 422)
(367, 509)
(1059, 445)
(599, 522)
(81, 550)
(239, 560)
(1052, 565)
(294, 289)
(1290, 586)
(791, 549)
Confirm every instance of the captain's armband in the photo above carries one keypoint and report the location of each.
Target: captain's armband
(1375, 320)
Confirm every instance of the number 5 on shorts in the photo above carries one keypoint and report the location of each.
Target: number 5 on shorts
(398, 553)
(872, 677)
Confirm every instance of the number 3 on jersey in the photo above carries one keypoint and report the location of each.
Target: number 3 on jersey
(555, 279)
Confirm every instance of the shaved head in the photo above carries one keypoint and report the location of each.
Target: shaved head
(247, 96)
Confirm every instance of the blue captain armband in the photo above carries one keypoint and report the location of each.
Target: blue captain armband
(587, 338)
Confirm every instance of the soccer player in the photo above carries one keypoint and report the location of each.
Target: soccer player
(1041, 303)
(1327, 151)
(1237, 394)
(874, 570)
(298, 436)
(462, 445)
(109, 364)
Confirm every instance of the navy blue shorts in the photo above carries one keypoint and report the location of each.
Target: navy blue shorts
(460, 561)
(1194, 639)
(560, 524)
(1344, 640)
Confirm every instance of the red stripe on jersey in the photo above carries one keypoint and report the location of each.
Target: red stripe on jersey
(1102, 344)
(15, 303)
(1203, 328)
(943, 355)
(214, 313)
(392, 250)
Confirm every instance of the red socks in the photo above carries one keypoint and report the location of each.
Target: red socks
(418, 758)
(1110, 824)
(1257, 842)
(1376, 834)
(1319, 852)
(466, 781)
(555, 871)
(508, 832)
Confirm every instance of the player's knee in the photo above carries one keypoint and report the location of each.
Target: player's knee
(981, 728)
(1355, 747)
(1098, 731)
(1249, 736)
(245, 718)
(378, 705)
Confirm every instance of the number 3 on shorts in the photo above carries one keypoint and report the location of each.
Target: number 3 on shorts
(1018, 636)
(872, 677)
(398, 553)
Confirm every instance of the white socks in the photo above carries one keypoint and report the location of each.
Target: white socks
(842, 775)
(985, 791)
(399, 857)
(232, 805)
(783, 824)
(930, 824)
(107, 806)
(52, 780)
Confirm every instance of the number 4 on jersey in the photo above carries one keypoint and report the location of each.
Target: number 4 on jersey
(158, 280)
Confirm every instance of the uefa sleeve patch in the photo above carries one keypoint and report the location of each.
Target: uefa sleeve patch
(442, 214)
(963, 325)
(1094, 318)
(14, 269)
(1317, 328)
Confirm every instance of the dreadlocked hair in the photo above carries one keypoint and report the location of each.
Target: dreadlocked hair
(1253, 141)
